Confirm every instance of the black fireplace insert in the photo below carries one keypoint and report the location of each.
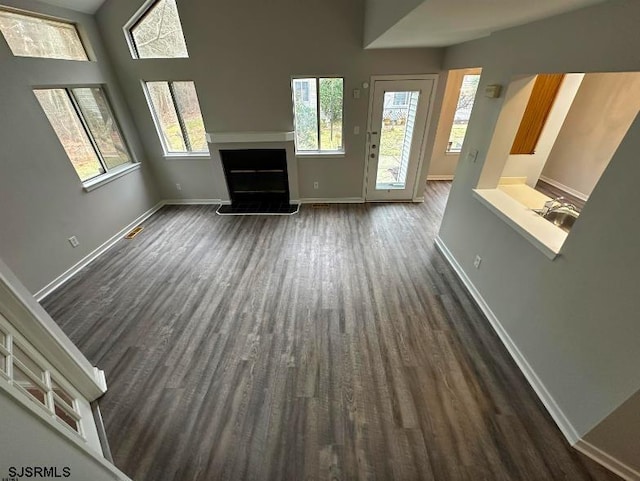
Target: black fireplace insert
(257, 180)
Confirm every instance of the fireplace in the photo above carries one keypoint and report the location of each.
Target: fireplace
(257, 180)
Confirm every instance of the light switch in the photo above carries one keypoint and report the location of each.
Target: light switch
(356, 130)
(472, 156)
(356, 93)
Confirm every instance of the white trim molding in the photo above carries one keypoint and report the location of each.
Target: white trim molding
(88, 259)
(331, 200)
(566, 188)
(609, 462)
(561, 420)
(554, 410)
(439, 177)
(196, 202)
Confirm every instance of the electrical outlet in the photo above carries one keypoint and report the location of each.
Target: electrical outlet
(477, 261)
(178, 186)
(316, 185)
(73, 240)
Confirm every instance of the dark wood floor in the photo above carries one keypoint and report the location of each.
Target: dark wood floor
(335, 344)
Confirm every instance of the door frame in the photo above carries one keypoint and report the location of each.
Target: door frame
(373, 79)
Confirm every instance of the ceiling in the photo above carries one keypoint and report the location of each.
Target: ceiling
(85, 6)
(440, 23)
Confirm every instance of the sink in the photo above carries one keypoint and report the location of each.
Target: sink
(563, 218)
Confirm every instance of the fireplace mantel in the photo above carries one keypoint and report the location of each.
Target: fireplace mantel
(248, 137)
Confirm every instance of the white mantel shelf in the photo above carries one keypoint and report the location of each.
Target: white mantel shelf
(241, 137)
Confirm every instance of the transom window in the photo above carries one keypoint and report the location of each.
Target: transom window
(177, 115)
(318, 113)
(27, 372)
(86, 127)
(34, 36)
(157, 32)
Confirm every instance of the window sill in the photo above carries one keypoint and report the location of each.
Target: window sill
(317, 153)
(103, 179)
(186, 156)
(453, 152)
(546, 237)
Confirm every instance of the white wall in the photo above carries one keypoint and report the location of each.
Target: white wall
(242, 65)
(574, 319)
(530, 166)
(27, 440)
(43, 202)
(443, 165)
(604, 108)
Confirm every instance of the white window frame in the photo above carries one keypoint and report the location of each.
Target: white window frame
(109, 174)
(165, 148)
(133, 21)
(318, 152)
(27, 13)
(12, 338)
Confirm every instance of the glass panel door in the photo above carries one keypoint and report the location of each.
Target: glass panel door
(397, 121)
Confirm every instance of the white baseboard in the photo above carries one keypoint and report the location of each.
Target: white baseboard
(558, 416)
(607, 461)
(554, 410)
(196, 202)
(567, 189)
(332, 200)
(439, 177)
(88, 259)
(418, 199)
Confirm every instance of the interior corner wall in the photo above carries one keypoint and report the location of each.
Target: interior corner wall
(242, 66)
(573, 319)
(381, 15)
(42, 198)
(599, 118)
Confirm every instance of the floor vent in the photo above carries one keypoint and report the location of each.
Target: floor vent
(134, 233)
(320, 206)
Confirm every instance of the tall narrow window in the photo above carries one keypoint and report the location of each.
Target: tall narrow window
(318, 112)
(177, 115)
(463, 112)
(35, 36)
(84, 123)
(157, 32)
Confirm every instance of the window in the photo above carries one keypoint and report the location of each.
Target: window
(157, 32)
(317, 106)
(176, 111)
(86, 127)
(31, 375)
(463, 112)
(34, 36)
(400, 99)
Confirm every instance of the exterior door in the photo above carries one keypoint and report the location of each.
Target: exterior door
(397, 120)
